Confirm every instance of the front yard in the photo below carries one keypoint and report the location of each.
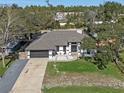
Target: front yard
(83, 90)
(81, 76)
(82, 66)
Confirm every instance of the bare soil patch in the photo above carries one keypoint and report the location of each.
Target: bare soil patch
(81, 79)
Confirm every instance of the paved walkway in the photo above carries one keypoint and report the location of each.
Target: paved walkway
(11, 75)
(31, 78)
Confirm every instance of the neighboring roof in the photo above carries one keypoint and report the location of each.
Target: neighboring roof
(51, 39)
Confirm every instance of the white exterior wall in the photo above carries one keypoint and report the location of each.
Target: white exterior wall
(61, 50)
(69, 48)
(78, 48)
(28, 54)
(50, 54)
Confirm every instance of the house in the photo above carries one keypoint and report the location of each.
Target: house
(56, 45)
(62, 15)
(63, 22)
(11, 47)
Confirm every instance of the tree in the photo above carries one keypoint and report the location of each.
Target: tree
(88, 43)
(107, 50)
(111, 10)
(41, 19)
(90, 20)
(103, 57)
(8, 17)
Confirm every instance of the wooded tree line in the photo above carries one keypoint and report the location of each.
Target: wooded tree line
(35, 18)
(109, 34)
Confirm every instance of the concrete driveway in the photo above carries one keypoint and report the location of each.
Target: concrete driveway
(31, 78)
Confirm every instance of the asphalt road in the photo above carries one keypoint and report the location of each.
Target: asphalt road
(11, 75)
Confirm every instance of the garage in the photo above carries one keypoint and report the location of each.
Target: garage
(39, 54)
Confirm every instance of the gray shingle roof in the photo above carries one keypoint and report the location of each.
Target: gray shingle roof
(51, 39)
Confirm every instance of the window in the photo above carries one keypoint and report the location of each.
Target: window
(57, 48)
(64, 48)
(88, 52)
(74, 48)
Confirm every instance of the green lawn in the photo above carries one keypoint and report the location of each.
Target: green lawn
(83, 90)
(2, 70)
(83, 66)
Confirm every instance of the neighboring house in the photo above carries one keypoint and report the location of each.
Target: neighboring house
(56, 45)
(60, 16)
(112, 21)
(6, 47)
(63, 22)
(98, 22)
(11, 47)
(63, 15)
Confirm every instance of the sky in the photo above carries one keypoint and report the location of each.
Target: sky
(57, 2)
